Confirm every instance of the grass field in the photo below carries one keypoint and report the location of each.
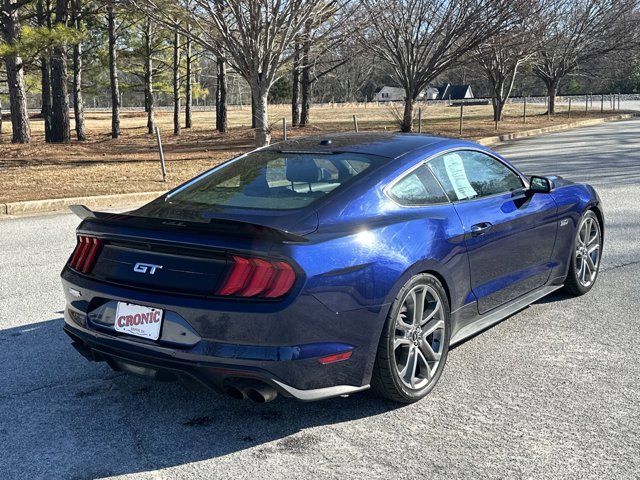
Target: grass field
(102, 165)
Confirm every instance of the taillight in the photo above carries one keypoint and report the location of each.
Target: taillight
(255, 277)
(85, 253)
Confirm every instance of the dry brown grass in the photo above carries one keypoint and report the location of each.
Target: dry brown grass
(102, 165)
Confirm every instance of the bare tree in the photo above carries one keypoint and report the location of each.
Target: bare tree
(501, 55)
(10, 29)
(254, 37)
(320, 53)
(197, 27)
(257, 37)
(349, 80)
(420, 39)
(578, 30)
(221, 95)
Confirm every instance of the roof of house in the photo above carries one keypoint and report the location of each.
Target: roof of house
(455, 92)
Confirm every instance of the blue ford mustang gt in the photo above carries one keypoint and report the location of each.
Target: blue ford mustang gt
(324, 266)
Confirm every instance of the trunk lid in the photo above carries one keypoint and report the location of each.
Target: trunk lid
(175, 256)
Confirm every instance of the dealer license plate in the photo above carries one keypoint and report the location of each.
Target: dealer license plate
(137, 320)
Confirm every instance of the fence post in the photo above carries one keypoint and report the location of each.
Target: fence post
(618, 100)
(419, 119)
(284, 128)
(161, 153)
(461, 114)
(569, 112)
(602, 103)
(355, 124)
(524, 112)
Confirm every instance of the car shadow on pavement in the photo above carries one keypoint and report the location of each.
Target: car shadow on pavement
(63, 417)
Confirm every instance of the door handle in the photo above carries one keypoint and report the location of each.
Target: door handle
(480, 229)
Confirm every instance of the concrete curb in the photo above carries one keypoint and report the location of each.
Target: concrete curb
(555, 128)
(59, 204)
(114, 201)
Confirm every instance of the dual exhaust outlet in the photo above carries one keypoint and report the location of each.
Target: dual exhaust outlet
(254, 390)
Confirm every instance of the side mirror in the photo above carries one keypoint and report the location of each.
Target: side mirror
(539, 184)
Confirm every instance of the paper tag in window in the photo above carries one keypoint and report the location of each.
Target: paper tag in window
(456, 173)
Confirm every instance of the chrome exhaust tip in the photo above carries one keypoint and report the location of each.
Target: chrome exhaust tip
(261, 393)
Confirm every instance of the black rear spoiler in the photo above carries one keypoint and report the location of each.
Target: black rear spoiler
(231, 227)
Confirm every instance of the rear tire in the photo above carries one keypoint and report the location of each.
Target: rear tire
(586, 252)
(414, 344)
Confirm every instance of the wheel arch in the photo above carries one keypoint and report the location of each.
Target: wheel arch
(428, 267)
(597, 209)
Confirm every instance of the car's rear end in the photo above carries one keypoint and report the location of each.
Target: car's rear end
(180, 290)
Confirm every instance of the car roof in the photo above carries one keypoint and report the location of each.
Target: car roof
(385, 144)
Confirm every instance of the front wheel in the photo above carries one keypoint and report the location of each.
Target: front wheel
(585, 255)
(415, 342)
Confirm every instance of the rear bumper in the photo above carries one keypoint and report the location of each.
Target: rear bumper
(171, 366)
(212, 341)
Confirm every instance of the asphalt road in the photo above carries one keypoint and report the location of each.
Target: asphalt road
(551, 392)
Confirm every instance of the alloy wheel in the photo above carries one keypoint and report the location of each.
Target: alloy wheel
(419, 337)
(588, 245)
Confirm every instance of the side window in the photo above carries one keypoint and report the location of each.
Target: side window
(418, 188)
(469, 174)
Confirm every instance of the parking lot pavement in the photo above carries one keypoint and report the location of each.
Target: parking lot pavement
(551, 392)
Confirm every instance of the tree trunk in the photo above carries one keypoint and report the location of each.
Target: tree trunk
(45, 72)
(15, 79)
(295, 88)
(78, 102)
(176, 83)
(44, 20)
(305, 85)
(60, 120)
(18, 100)
(498, 108)
(552, 91)
(497, 98)
(260, 95)
(148, 78)
(188, 86)
(253, 109)
(113, 72)
(407, 118)
(221, 97)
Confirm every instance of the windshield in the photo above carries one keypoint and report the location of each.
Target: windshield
(273, 180)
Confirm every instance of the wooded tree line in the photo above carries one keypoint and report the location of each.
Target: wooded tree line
(62, 48)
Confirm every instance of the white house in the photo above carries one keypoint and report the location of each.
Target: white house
(389, 94)
(396, 94)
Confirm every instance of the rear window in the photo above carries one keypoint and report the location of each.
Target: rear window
(275, 181)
